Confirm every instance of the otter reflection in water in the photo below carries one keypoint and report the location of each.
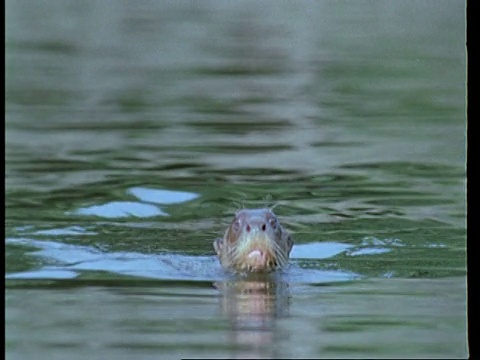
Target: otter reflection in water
(254, 242)
(254, 245)
(252, 306)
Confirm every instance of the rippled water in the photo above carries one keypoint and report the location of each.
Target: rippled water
(134, 130)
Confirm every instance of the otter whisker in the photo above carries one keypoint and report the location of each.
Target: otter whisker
(282, 258)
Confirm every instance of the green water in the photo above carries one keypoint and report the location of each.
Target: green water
(134, 130)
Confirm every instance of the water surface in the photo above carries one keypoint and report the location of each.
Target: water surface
(134, 130)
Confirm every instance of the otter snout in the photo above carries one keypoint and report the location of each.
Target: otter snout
(254, 242)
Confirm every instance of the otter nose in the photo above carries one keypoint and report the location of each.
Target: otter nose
(260, 226)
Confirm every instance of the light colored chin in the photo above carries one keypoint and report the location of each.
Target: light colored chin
(256, 255)
(257, 260)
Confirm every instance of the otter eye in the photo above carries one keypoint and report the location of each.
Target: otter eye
(236, 225)
(273, 223)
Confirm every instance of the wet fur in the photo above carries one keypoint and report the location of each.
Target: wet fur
(232, 258)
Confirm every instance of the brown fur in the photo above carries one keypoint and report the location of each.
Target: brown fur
(254, 242)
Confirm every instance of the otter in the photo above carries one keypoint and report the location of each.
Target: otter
(254, 242)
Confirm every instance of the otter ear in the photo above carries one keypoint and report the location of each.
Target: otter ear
(289, 244)
(217, 245)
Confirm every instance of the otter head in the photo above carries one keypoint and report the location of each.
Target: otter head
(254, 242)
